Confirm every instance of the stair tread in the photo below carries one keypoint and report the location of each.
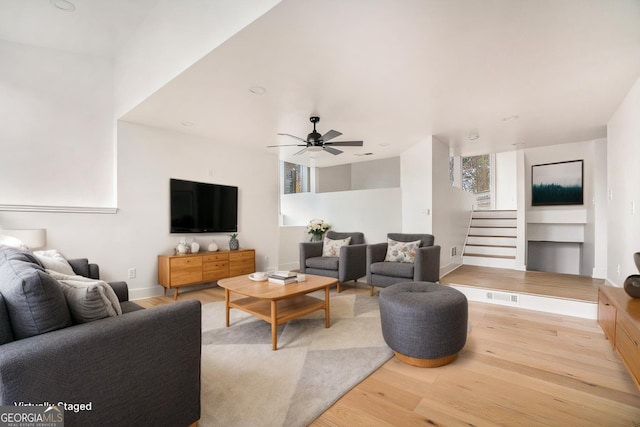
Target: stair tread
(489, 256)
(494, 226)
(491, 235)
(490, 246)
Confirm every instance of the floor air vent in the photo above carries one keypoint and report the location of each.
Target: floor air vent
(502, 296)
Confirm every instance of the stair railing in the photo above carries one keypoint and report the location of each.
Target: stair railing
(466, 239)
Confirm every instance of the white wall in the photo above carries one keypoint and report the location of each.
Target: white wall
(57, 131)
(372, 212)
(506, 181)
(367, 175)
(333, 178)
(416, 183)
(139, 232)
(382, 173)
(173, 37)
(623, 176)
(451, 210)
(585, 214)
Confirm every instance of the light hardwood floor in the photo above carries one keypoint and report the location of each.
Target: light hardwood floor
(518, 368)
(562, 286)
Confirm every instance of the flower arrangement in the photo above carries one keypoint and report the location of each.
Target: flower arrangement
(316, 228)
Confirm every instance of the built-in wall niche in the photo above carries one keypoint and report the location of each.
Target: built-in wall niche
(555, 239)
(554, 257)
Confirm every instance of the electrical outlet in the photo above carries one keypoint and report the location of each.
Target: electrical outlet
(132, 273)
(454, 251)
(633, 207)
(618, 269)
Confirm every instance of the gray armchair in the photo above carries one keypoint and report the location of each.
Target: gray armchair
(425, 268)
(349, 265)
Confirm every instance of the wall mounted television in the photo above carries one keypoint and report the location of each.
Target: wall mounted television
(198, 207)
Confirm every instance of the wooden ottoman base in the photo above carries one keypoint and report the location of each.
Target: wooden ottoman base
(426, 363)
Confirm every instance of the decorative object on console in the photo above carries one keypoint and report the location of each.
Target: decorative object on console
(317, 228)
(195, 247)
(181, 248)
(234, 244)
(632, 283)
(213, 247)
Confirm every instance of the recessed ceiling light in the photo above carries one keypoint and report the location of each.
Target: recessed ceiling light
(510, 118)
(187, 124)
(257, 90)
(473, 135)
(64, 5)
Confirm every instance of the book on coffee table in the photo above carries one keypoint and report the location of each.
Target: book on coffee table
(283, 277)
(283, 274)
(282, 280)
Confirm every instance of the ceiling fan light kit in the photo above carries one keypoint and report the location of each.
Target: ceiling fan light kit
(317, 142)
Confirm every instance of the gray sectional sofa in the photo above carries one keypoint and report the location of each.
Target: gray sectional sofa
(138, 368)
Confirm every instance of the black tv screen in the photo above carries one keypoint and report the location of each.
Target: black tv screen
(198, 207)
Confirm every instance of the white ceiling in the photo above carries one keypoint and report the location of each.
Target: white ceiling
(388, 72)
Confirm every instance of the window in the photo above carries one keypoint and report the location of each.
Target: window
(476, 178)
(296, 178)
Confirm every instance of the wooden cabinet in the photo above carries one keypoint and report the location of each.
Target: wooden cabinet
(241, 262)
(175, 271)
(619, 318)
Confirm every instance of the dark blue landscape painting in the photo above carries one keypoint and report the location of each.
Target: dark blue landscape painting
(557, 183)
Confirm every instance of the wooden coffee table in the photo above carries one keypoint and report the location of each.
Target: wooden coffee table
(277, 304)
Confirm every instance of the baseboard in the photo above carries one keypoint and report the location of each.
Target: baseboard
(448, 268)
(585, 310)
(289, 266)
(143, 293)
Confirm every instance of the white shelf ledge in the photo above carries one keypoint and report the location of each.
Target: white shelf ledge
(557, 216)
(58, 209)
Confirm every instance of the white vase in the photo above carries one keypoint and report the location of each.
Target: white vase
(182, 248)
(213, 247)
(195, 247)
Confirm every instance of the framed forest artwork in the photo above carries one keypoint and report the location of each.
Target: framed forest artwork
(560, 183)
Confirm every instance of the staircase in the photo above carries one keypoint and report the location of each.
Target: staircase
(491, 239)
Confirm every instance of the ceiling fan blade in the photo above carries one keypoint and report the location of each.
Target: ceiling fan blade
(301, 151)
(346, 143)
(293, 136)
(332, 150)
(287, 145)
(330, 135)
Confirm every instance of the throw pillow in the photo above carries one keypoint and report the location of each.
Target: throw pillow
(53, 260)
(33, 299)
(332, 247)
(401, 251)
(88, 299)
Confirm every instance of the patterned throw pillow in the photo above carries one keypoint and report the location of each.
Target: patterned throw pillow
(401, 251)
(332, 247)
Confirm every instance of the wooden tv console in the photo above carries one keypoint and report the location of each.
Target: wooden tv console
(619, 318)
(175, 271)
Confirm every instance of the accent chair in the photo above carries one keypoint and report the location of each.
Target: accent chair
(346, 263)
(413, 257)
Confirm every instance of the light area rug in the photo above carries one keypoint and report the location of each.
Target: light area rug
(246, 383)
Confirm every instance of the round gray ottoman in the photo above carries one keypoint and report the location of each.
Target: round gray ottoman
(424, 323)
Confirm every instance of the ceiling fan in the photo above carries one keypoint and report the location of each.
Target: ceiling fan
(317, 142)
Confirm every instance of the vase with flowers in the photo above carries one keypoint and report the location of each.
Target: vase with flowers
(316, 229)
